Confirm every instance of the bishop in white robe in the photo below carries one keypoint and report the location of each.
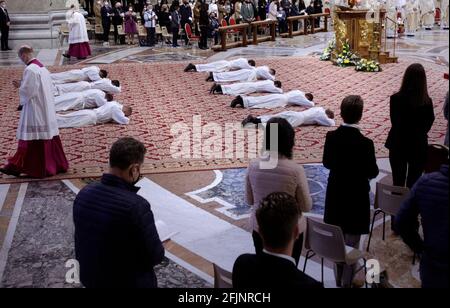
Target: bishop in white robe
(78, 36)
(90, 73)
(221, 66)
(81, 100)
(312, 116)
(411, 17)
(428, 11)
(40, 153)
(109, 112)
(253, 74)
(444, 14)
(244, 88)
(271, 101)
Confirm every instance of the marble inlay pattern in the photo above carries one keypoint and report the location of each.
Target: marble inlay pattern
(43, 242)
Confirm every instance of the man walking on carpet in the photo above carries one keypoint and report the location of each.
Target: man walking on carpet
(40, 153)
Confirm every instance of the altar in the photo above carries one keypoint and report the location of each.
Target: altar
(363, 30)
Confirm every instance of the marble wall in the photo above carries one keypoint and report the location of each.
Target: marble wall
(34, 6)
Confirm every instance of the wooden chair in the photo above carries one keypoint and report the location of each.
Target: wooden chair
(63, 33)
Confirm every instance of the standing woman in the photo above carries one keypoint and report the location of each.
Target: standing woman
(78, 36)
(412, 116)
(204, 25)
(287, 177)
(130, 25)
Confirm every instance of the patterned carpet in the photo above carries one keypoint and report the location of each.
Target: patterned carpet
(161, 95)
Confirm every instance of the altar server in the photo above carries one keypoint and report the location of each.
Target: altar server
(90, 73)
(221, 66)
(295, 97)
(253, 74)
(40, 152)
(109, 112)
(312, 116)
(427, 9)
(243, 88)
(82, 100)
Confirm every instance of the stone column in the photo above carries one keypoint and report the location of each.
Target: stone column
(34, 6)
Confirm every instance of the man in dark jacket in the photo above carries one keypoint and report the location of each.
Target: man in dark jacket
(204, 26)
(429, 199)
(175, 23)
(185, 17)
(4, 26)
(274, 268)
(116, 241)
(350, 157)
(117, 20)
(105, 11)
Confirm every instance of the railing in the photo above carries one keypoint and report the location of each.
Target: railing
(242, 29)
(387, 19)
(307, 20)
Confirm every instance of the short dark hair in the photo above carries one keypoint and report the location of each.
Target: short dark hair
(252, 62)
(277, 217)
(286, 136)
(109, 97)
(277, 83)
(115, 83)
(125, 152)
(352, 109)
(309, 96)
(103, 73)
(272, 72)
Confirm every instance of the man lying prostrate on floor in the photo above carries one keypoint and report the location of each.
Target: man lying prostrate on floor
(312, 116)
(221, 66)
(109, 112)
(90, 73)
(253, 74)
(295, 97)
(243, 88)
(92, 98)
(106, 85)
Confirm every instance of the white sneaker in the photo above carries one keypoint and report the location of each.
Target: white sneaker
(105, 44)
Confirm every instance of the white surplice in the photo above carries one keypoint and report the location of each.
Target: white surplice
(77, 28)
(312, 116)
(80, 100)
(38, 116)
(427, 9)
(106, 86)
(60, 89)
(224, 66)
(243, 88)
(90, 73)
(111, 111)
(295, 97)
(252, 74)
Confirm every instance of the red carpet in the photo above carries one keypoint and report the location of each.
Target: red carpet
(162, 94)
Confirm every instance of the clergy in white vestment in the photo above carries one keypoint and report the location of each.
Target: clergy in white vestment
(427, 10)
(221, 66)
(253, 74)
(63, 88)
(78, 36)
(40, 153)
(312, 116)
(244, 88)
(411, 17)
(92, 98)
(90, 73)
(444, 14)
(271, 101)
(109, 112)
(107, 85)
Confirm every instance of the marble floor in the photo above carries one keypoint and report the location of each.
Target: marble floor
(205, 211)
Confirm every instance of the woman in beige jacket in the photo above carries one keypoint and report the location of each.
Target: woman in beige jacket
(286, 176)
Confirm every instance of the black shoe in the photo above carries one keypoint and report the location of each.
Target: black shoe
(210, 77)
(250, 119)
(9, 172)
(190, 68)
(213, 87)
(66, 55)
(237, 101)
(20, 108)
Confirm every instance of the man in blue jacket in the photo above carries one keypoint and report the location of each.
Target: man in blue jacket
(429, 199)
(116, 241)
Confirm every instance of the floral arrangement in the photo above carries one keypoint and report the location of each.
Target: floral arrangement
(326, 54)
(365, 65)
(346, 57)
